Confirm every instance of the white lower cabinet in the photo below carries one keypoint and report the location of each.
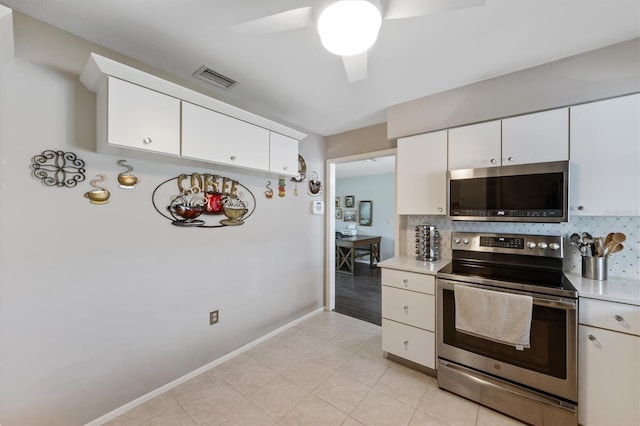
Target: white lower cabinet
(408, 316)
(608, 363)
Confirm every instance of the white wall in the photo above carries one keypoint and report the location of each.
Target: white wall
(380, 189)
(101, 304)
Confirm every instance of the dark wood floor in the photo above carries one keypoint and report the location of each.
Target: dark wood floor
(358, 295)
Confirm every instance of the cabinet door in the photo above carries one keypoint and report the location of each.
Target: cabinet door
(141, 118)
(609, 377)
(605, 157)
(210, 136)
(477, 145)
(421, 174)
(283, 155)
(412, 343)
(408, 307)
(536, 138)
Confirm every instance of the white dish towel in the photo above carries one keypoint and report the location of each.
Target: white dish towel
(499, 316)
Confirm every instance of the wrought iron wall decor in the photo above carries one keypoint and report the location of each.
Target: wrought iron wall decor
(203, 200)
(58, 168)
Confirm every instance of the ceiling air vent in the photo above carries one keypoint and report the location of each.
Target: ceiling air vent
(210, 76)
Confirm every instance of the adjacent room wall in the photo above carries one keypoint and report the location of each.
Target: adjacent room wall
(358, 141)
(381, 190)
(101, 304)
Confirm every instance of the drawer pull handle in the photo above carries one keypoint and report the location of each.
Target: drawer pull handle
(406, 309)
(619, 318)
(147, 141)
(592, 337)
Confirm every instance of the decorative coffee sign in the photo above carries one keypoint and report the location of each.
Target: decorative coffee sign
(204, 200)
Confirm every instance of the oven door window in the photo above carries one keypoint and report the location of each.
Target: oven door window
(548, 351)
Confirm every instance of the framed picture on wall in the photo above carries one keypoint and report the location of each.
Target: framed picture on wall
(349, 201)
(365, 210)
(349, 216)
(338, 213)
(337, 202)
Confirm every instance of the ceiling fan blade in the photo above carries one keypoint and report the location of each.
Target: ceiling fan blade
(283, 21)
(399, 9)
(355, 66)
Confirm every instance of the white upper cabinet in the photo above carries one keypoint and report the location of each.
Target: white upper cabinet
(137, 110)
(135, 117)
(211, 136)
(283, 158)
(474, 146)
(536, 138)
(421, 174)
(605, 157)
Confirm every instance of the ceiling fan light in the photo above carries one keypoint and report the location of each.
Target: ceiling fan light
(349, 27)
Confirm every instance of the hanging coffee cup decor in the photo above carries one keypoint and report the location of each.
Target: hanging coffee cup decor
(99, 195)
(315, 186)
(202, 199)
(125, 179)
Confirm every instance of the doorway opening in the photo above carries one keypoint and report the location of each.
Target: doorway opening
(360, 188)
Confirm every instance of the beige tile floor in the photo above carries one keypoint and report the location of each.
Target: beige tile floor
(327, 370)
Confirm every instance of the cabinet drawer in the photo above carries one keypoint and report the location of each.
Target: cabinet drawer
(409, 307)
(409, 280)
(610, 315)
(411, 343)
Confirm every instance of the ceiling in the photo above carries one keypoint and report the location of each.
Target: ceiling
(288, 76)
(370, 166)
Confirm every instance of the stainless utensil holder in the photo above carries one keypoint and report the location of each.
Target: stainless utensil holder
(594, 268)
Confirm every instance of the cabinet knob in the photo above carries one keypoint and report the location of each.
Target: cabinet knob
(580, 208)
(511, 159)
(232, 158)
(439, 209)
(406, 282)
(285, 168)
(406, 343)
(619, 318)
(493, 161)
(592, 337)
(406, 309)
(146, 141)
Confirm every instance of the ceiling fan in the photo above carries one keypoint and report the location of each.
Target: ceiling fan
(340, 22)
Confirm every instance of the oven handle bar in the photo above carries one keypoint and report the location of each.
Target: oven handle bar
(565, 304)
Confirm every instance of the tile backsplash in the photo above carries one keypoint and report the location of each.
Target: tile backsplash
(622, 264)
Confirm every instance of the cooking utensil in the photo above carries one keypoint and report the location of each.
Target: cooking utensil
(598, 246)
(618, 247)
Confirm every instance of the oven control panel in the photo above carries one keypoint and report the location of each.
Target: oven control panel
(533, 245)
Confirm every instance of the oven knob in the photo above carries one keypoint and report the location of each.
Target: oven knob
(554, 246)
(465, 241)
(543, 245)
(531, 245)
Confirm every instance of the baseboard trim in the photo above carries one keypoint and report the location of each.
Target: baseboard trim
(144, 398)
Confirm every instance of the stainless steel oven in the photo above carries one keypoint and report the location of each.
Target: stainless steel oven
(536, 384)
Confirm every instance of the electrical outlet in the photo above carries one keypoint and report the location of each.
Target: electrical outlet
(213, 317)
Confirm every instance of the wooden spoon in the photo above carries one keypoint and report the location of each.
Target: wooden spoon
(619, 237)
(618, 247)
(608, 239)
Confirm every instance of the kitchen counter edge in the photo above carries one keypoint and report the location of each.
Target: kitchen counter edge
(615, 289)
(409, 263)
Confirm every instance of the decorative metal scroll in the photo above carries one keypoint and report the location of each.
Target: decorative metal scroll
(58, 168)
(205, 201)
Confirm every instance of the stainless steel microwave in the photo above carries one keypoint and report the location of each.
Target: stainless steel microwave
(536, 192)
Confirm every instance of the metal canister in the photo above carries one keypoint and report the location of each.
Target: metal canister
(427, 242)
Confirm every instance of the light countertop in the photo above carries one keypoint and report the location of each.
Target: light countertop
(409, 263)
(615, 289)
